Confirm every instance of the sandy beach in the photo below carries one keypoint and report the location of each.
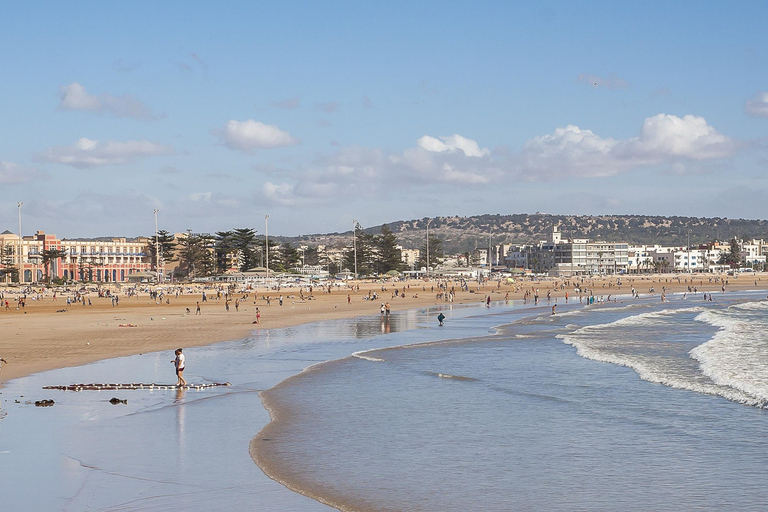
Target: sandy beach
(47, 333)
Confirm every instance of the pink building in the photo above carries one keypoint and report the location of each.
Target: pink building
(95, 259)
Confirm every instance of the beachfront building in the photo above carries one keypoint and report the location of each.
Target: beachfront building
(102, 259)
(682, 259)
(577, 256)
(753, 253)
(311, 271)
(96, 259)
(22, 254)
(517, 257)
(410, 257)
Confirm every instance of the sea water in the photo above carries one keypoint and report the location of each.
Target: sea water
(633, 405)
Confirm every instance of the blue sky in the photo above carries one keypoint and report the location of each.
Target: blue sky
(318, 113)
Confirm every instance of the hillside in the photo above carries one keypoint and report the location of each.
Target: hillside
(461, 234)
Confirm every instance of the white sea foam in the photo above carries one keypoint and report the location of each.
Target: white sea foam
(737, 355)
(644, 318)
(609, 308)
(752, 306)
(722, 360)
(361, 355)
(653, 370)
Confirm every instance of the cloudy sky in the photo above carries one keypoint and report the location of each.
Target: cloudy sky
(318, 113)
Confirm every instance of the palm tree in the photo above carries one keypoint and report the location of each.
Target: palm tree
(50, 255)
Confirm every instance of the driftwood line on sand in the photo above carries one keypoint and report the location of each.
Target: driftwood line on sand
(102, 387)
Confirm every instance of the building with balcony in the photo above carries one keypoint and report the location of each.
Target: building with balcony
(85, 259)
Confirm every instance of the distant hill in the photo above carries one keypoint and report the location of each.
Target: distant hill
(462, 234)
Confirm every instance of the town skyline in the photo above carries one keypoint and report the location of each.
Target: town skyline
(322, 114)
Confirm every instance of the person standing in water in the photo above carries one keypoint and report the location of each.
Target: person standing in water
(179, 362)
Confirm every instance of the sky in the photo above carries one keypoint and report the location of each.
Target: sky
(319, 114)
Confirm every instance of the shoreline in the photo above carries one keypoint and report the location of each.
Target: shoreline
(48, 334)
(289, 409)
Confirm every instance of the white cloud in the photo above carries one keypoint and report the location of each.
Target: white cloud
(453, 175)
(452, 143)
(249, 135)
(75, 97)
(280, 193)
(666, 136)
(364, 172)
(568, 150)
(663, 138)
(606, 82)
(668, 141)
(92, 153)
(757, 106)
(12, 173)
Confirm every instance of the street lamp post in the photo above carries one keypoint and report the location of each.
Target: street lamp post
(157, 249)
(490, 258)
(266, 247)
(354, 243)
(428, 221)
(21, 242)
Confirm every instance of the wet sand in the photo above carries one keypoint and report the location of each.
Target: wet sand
(47, 334)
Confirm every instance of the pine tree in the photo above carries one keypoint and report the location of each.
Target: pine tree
(365, 245)
(289, 257)
(9, 269)
(311, 256)
(733, 256)
(225, 245)
(245, 242)
(435, 252)
(389, 256)
(196, 257)
(167, 243)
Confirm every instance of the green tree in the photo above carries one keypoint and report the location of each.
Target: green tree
(245, 242)
(195, 255)
(388, 255)
(274, 256)
(435, 252)
(167, 244)
(733, 256)
(364, 244)
(288, 257)
(82, 269)
(48, 256)
(9, 269)
(225, 246)
(311, 256)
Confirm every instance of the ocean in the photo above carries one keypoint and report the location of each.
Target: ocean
(636, 404)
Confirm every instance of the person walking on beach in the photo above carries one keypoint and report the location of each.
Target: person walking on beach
(197, 311)
(258, 316)
(440, 318)
(179, 363)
